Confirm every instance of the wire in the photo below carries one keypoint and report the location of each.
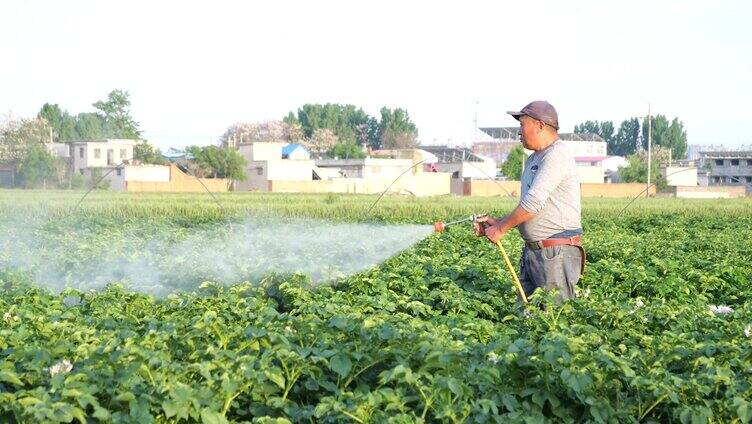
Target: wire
(390, 186)
(648, 188)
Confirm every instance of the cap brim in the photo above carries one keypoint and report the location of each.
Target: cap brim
(516, 115)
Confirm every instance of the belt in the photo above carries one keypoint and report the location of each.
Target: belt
(570, 241)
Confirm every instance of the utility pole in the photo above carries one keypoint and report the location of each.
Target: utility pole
(650, 142)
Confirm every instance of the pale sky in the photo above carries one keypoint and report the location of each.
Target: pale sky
(195, 68)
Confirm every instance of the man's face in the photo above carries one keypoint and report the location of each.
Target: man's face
(529, 132)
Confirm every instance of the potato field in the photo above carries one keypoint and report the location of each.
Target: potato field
(661, 331)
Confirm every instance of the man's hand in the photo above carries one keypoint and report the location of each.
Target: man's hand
(494, 233)
(481, 223)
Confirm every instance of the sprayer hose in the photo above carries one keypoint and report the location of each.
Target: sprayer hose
(511, 270)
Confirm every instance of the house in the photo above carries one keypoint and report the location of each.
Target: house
(265, 162)
(295, 152)
(462, 163)
(728, 167)
(99, 153)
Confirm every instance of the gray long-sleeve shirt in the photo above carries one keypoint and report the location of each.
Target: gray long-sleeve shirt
(551, 190)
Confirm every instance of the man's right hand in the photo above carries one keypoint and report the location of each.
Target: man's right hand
(481, 223)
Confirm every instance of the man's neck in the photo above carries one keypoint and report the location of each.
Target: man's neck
(546, 144)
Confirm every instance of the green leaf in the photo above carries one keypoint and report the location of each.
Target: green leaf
(276, 377)
(340, 364)
(10, 377)
(212, 417)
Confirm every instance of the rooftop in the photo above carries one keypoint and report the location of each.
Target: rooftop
(511, 133)
(446, 154)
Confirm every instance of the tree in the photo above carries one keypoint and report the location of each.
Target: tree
(117, 117)
(18, 135)
(512, 167)
(146, 153)
(63, 125)
(37, 168)
(347, 151)
(266, 131)
(397, 131)
(637, 169)
(321, 142)
(91, 126)
(663, 134)
(218, 162)
(604, 129)
(345, 121)
(627, 138)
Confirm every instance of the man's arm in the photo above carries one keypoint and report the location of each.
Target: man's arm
(496, 231)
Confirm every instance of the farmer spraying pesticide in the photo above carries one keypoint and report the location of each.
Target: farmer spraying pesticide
(548, 215)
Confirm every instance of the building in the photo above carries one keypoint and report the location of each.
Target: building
(462, 163)
(265, 163)
(680, 173)
(730, 168)
(99, 153)
(295, 152)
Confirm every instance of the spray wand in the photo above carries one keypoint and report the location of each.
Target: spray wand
(479, 228)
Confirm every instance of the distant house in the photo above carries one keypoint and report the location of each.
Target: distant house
(462, 162)
(265, 162)
(99, 153)
(295, 152)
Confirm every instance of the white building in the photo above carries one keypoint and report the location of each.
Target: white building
(680, 175)
(265, 163)
(120, 176)
(100, 153)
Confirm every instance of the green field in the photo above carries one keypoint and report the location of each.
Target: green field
(432, 334)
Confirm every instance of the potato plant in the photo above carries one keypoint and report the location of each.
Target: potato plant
(660, 331)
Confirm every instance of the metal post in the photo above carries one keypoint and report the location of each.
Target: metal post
(650, 134)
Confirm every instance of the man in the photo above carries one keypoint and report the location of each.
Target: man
(548, 215)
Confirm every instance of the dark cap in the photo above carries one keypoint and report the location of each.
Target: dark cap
(540, 110)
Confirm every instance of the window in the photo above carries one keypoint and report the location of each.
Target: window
(97, 153)
(734, 162)
(123, 153)
(110, 156)
(119, 172)
(259, 171)
(748, 179)
(749, 162)
(81, 170)
(719, 162)
(81, 152)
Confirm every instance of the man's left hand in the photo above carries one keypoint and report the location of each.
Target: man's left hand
(494, 233)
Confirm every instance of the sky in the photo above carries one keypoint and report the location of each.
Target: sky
(194, 68)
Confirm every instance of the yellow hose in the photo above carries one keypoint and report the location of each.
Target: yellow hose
(511, 269)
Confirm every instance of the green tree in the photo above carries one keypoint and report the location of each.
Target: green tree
(146, 153)
(37, 168)
(347, 151)
(91, 126)
(117, 117)
(627, 138)
(396, 130)
(664, 134)
(637, 169)
(604, 129)
(343, 120)
(512, 167)
(63, 125)
(218, 162)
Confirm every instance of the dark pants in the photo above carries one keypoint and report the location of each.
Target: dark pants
(554, 268)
